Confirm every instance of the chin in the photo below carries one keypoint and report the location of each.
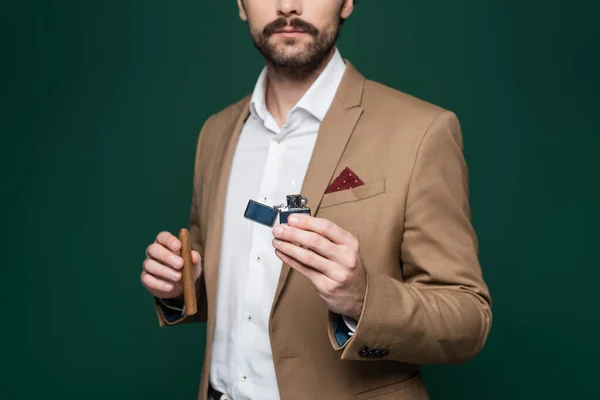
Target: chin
(291, 50)
(285, 43)
(295, 59)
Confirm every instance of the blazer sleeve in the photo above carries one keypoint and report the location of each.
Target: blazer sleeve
(165, 316)
(440, 313)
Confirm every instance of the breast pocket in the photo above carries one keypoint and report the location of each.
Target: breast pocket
(363, 192)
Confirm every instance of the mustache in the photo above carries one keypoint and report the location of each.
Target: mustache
(296, 23)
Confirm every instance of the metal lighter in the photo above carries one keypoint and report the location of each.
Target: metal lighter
(267, 215)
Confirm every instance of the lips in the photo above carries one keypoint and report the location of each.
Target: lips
(290, 30)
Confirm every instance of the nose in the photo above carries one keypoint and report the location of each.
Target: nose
(288, 8)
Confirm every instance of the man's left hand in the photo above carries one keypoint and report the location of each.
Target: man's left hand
(328, 256)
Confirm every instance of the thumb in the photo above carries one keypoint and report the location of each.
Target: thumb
(195, 257)
(197, 260)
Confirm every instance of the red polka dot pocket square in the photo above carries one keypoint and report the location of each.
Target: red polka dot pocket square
(347, 179)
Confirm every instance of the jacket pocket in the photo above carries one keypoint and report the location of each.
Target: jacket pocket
(355, 194)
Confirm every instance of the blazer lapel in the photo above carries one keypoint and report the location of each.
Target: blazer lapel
(226, 151)
(335, 131)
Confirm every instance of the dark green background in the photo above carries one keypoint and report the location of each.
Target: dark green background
(101, 106)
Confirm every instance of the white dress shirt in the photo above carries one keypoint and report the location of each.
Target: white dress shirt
(269, 163)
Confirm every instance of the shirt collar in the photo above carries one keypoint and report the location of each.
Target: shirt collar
(316, 100)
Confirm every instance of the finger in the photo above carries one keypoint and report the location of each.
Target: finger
(197, 271)
(311, 274)
(169, 240)
(321, 226)
(196, 259)
(152, 282)
(163, 255)
(308, 258)
(159, 270)
(322, 283)
(311, 240)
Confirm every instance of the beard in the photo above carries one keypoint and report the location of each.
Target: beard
(300, 63)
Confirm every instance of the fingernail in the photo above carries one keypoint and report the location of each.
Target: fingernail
(175, 275)
(278, 230)
(177, 261)
(293, 219)
(168, 286)
(276, 242)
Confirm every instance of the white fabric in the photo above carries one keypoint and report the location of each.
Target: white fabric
(269, 163)
(351, 323)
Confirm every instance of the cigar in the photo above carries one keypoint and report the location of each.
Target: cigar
(189, 291)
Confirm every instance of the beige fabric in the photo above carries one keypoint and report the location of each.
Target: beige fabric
(426, 299)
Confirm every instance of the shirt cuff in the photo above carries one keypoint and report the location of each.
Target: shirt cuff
(171, 311)
(341, 330)
(350, 323)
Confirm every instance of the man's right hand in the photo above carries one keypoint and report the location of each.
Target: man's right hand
(161, 273)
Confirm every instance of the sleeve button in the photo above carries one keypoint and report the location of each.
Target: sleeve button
(364, 351)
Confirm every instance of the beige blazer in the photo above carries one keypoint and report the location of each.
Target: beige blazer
(426, 300)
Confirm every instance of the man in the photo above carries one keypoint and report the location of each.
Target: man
(382, 277)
